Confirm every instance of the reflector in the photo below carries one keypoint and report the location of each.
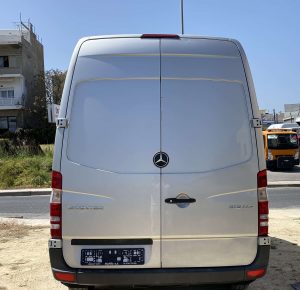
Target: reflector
(63, 276)
(253, 274)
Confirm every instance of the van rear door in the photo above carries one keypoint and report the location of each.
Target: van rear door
(111, 189)
(206, 132)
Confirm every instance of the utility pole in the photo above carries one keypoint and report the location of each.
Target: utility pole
(274, 116)
(182, 23)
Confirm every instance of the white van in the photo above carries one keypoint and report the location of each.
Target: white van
(159, 176)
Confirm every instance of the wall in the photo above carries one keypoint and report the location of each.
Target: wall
(32, 66)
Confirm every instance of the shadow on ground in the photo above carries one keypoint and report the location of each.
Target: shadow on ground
(284, 270)
(295, 169)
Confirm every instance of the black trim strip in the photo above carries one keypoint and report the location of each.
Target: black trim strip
(110, 242)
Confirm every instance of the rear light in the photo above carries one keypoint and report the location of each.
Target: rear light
(174, 36)
(64, 276)
(262, 178)
(56, 180)
(253, 274)
(55, 206)
(263, 204)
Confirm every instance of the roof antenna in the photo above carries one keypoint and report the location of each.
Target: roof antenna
(182, 27)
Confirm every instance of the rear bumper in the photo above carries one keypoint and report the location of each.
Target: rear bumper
(282, 163)
(170, 276)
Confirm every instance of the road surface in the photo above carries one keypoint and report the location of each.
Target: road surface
(285, 175)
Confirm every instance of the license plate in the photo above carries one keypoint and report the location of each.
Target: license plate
(127, 256)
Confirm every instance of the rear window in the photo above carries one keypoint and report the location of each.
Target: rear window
(205, 125)
(114, 125)
(283, 141)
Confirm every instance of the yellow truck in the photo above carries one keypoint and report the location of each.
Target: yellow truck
(281, 148)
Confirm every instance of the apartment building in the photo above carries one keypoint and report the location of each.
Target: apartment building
(291, 113)
(21, 61)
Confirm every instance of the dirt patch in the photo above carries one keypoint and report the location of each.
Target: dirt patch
(284, 265)
(24, 260)
(24, 257)
(12, 229)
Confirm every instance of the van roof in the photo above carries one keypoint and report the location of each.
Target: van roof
(140, 35)
(284, 126)
(277, 131)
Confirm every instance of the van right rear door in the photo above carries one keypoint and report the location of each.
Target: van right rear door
(206, 132)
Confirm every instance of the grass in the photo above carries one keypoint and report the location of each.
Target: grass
(25, 170)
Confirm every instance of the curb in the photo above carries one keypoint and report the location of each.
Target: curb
(25, 192)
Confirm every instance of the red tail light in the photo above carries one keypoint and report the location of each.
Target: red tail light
(175, 36)
(262, 178)
(253, 274)
(263, 204)
(55, 206)
(56, 180)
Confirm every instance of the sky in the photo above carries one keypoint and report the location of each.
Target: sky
(269, 31)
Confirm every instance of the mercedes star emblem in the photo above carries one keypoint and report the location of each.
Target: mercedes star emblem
(161, 159)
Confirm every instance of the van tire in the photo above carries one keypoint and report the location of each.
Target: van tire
(79, 288)
(240, 286)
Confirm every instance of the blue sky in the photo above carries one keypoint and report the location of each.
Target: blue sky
(268, 30)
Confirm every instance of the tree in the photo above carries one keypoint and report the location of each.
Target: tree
(47, 89)
(54, 84)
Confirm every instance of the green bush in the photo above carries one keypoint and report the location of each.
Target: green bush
(37, 135)
(19, 148)
(25, 171)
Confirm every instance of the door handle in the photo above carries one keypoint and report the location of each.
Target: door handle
(180, 200)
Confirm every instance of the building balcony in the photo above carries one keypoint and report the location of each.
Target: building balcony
(10, 71)
(11, 103)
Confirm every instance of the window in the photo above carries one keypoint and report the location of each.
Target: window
(7, 93)
(10, 93)
(3, 123)
(283, 141)
(8, 123)
(4, 61)
(12, 124)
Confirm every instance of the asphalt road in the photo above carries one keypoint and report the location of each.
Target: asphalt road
(37, 207)
(28, 207)
(285, 175)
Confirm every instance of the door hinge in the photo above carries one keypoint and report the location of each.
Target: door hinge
(256, 123)
(62, 123)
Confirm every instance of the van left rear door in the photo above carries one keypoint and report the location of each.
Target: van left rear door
(111, 189)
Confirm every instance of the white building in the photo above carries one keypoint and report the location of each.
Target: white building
(21, 60)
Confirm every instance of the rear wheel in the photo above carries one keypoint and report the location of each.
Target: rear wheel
(75, 287)
(240, 286)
